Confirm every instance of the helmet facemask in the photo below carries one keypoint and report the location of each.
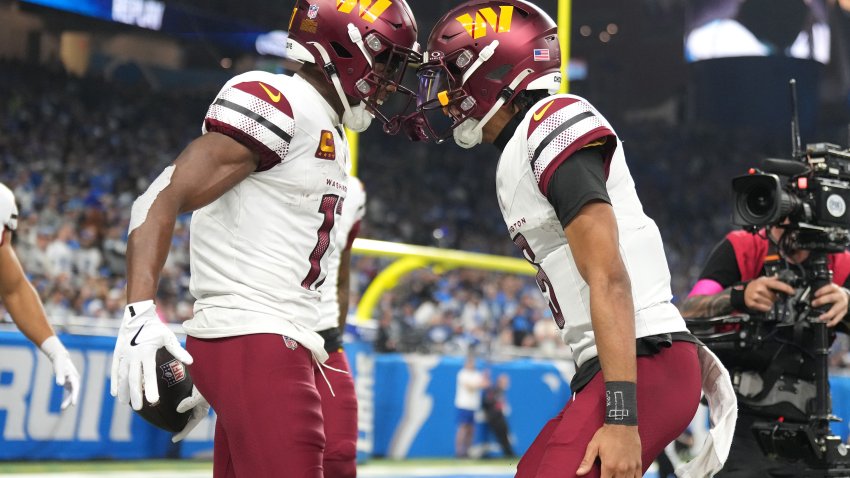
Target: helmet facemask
(386, 77)
(480, 55)
(442, 90)
(442, 103)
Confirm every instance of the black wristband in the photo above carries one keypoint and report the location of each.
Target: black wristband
(736, 297)
(621, 403)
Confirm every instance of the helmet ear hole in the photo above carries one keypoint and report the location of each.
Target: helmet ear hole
(454, 70)
(394, 26)
(498, 73)
(340, 50)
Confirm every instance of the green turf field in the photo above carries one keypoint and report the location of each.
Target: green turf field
(436, 468)
(199, 469)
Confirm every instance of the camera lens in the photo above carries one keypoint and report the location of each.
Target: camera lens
(760, 201)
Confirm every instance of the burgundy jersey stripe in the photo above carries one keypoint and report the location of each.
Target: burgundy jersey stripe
(268, 158)
(591, 136)
(546, 110)
(267, 93)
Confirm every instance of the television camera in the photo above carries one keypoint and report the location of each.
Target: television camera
(807, 196)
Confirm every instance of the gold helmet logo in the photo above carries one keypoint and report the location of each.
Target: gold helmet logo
(370, 10)
(499, 22)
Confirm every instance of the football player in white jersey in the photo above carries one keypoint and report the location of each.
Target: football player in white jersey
(266, 181)
(339, 401)
(23, 304)
(489, 74)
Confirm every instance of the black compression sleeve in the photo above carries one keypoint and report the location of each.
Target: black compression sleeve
(722, 266)
(577, 181)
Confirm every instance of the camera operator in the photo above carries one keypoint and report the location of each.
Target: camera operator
(749, 273)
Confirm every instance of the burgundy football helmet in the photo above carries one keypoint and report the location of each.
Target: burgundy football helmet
(363, 47)
(479, 56)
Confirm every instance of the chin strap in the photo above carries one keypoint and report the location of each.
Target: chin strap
(357, 118)
(485, 55)
(357, 39)
(473, 133)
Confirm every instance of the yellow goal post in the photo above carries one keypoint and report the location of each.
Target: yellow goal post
(411, 257)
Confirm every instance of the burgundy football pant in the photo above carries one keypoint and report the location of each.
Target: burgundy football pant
(269, 416)
(340, 414)
(668, 394)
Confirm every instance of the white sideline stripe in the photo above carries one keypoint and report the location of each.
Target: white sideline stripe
(116, 474)
(366, 471)
(396, 471)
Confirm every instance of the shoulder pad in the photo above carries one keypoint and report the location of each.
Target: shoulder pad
(255, 113)
(558, 127)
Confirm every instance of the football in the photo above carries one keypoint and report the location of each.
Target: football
(175, 384)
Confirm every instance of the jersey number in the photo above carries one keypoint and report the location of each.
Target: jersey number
(329, 207)
(542, 279)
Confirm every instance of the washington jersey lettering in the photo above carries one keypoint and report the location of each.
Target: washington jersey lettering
(353, 211)
(260, 251)
(551, 132)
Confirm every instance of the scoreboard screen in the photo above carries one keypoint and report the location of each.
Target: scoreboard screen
(730, 28)
(141, 13)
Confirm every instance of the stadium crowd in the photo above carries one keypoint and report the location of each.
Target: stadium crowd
(77, 152)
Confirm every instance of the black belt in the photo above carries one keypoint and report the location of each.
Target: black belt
(645, 346)
(333, 339)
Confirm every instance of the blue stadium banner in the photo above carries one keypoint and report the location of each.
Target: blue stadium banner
(33, 426)
(406, 406)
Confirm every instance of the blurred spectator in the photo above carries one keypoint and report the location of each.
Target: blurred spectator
(88, 257)
(387, 337)
(59, 253)
(495, 405)
(470, 383)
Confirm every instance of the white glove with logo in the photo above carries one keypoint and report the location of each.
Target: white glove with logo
(134, 358)
(66, 373)
(200, 409)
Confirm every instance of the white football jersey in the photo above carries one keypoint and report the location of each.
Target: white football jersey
(8, 209)
(260, 251)
(352, 212)
(553, 130)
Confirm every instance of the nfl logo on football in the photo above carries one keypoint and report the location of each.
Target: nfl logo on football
(173, 372)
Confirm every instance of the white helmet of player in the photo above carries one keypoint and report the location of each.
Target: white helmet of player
(8, 208)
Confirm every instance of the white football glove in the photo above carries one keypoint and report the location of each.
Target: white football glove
(66, 373)
(200, 409)
(134, 358)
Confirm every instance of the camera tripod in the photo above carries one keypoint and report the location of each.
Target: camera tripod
(810, 442)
